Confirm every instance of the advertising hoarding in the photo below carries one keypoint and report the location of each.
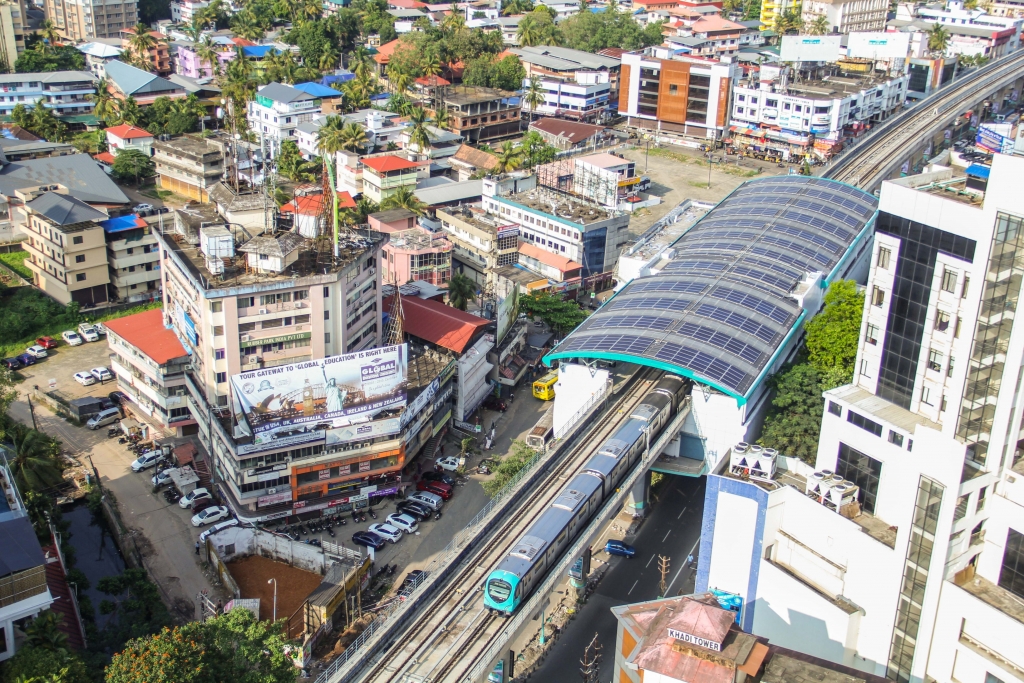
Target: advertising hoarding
(508, 311)
(327, 393)
(995, 137)
(810, 48)
(363, 430)
(870, 45)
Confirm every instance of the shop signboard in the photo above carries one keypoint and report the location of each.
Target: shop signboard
(878, 45)
(810, 48)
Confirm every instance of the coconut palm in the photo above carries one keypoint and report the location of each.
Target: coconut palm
(194, 29)
(403, 199)
(441, 119)
(938, 40)
(529, 32)
(419, 134)
(400, 79)
(360, 62)
(311, 10)
(212, 13)
(206, 51)
(430, 66)
(105, 104)
(534, 95)
(453, 22)
(127, 111)
(328, 60)
(510, 157)
(817, 26)
(35, 462)
(516, 7)
(357, 93)
(329, 136)
(246, 25)
(48, 31)
(353, 137)
(461, 291)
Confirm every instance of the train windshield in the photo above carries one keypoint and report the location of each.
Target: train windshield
(499, 590)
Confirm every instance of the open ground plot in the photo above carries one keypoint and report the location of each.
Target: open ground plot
(253, 573)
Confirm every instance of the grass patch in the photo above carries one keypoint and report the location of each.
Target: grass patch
(699, 161)
(26, 313)
(698, 185)
(15, 260)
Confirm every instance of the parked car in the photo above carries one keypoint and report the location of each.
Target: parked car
(143, 207)
(495, 403)
(369, 539)
(88, 332)
(404, 522)
(614, 547)
(47, 342)
(413, 578)
(429, 500)
(439, 476)
(450, 464)
(147, 460)
(26, 359)
(102, 374)
(220, 526)
(12, 363)
(162, 477)
(387, 532)
(117, 397)
(414, 509)
(210, 515)
(107, 416)
(438, 488)
(193, 496)
(100, 328)
(71, 338)
(36, 351)
(84, 378)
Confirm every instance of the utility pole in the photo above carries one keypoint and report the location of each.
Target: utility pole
(663, 564)
(591, 661)
(31, 411)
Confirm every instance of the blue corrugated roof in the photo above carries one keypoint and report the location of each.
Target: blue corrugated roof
(344, 77)
(979, 171)
(259, 51)
(317, 90)
(121, 223)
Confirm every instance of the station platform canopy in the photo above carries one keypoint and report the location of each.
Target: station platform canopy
(723, 307)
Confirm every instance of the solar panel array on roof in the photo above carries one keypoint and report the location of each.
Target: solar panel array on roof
(722, 305)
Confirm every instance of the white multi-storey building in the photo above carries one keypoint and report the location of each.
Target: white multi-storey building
(183, 11)
(847, 16)
(277, 110)
(89, 19)
(901, 551)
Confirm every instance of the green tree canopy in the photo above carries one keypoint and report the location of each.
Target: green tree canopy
(461, 290)
(560, 315)
(40, 665)
(593, 31)
(59, 58)
(793, 422)
(833, 334)
(132, 166)
(232, 647)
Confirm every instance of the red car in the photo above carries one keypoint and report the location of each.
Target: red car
(47, 342)
(438, 488)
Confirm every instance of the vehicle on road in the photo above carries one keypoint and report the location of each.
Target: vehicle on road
(438, 488)
(71, 338)
(102, 374)
(541, 434)
(147, 460)
(450, 464)
(103, 418)
(47, 342)
(544, 388)
(193, 496)
(220, 526)
(495, 403)
(387, 532)
(26, 359)
(12, 363)
(404, 522)
(143, 207)
(36, 351)
(644, 184)
(368, 539)
(88, 332)
(439, 476)
(84, 378)
(101, 329)
(414, 509)
(210, 515)
(620, 548)
(413, 579)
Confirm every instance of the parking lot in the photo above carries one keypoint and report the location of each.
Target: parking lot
(63, 362)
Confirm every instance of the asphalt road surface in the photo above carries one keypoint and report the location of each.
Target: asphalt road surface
(671, 529)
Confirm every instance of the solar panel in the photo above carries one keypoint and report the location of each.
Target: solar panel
(618, 343)
(739, 321)
(776, 313)
(722, 341)
(812, 254)
(649, 303)
(706, 366)
(779, 283)
(644, 322)
(661, 286)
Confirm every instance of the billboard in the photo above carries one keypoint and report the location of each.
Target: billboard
(810, 48)
(995, 137)
(869, 45)
(328, 393)
(508, 311)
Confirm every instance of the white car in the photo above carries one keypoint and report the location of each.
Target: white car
(102, 374)
(217, 527)
(36, 351)
(143, 207)
(210, 515)
(85, 378)
(88, 332)
(449, 464)
(403, 522)
(147, 460)
(163, 476)
(192, 496)
(71, 338)
(100, 328)
(387, 532)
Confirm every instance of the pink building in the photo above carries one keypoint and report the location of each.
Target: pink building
(188, 63)
(412, 252)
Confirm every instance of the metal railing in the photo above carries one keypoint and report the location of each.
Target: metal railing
(578, 415)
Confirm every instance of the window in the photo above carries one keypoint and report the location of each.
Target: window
(949, 368)
(864, 369)
(1011, 577)
(222, 377)
(862, 470)
(948, 280)
(327, 315)
(327, 292)
(989, 678)
(926, 396)
(218, 354)
(327, 337)
(981, 499)
(864, 423)
(896, 438)
(79, 258)
(216, 306)
(247, 327)
(942, 404)
(956, 328)
(673, 89)
(871, 335)
(877, 297)
(80, 277)
(941, 321)
(884, 254)
(967, 283)
(218, 331)
(77, 239)
(835, 408)
(246, 301)
(935, 360)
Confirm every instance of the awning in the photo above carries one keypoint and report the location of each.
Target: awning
(979, 171)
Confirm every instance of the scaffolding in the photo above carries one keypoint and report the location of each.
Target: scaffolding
(588, 183)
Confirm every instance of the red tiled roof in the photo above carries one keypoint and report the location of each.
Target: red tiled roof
(614, 52)
(57, 582)
(128, 132)
(385, 51)
(714, 22)
(475, 157)
(104, 157)
(243, 42)
(312, 205)
(547, 258)
(407, 4)
(432, 81)
(147, 333)
(387, 163)
(437, 323)
(572, 131)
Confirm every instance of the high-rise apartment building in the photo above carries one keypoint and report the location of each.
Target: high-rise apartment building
(901, 551)
(84, 20)
(12, 33)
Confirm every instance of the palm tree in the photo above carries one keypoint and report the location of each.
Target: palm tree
(441, 118)
(400, 79)
(534, 95)
(141, 42)
(128, 111)
(48, 30)
(453, 22)
(246, 25)
(461, 291)
(403, 199)
(360, 62)
(817, 26)
(353, 137)
(509, 158)
(311, 10)
(212, 13)
(105, 104)
(938, 40)
(194, 30)
(430, 66)
(329, 136)
(529, 32)
(44, 632)
(35, 461)
(206, 51)
(328, 60)
(419, 133)
(516, 7)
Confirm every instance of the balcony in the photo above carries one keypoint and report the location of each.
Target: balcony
(137, 258)
(267, 309)
(137, 278)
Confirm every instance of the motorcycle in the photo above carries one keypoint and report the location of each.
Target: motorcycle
(330, 532)
(341, 521)
(113, 431)
(437, 515)
(373, 514)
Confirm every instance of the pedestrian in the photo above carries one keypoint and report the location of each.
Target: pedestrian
(197, 547)
(511, 397)
(689, 560)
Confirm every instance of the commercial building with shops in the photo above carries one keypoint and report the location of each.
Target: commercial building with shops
(900, 550)
(576, 84)
(481, 242)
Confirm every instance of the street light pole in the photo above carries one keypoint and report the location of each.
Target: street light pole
(710, 158)
(274, 581)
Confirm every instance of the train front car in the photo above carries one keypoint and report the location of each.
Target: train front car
(501, 591)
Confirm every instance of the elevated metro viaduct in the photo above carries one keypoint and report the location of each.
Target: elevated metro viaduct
(726, 307)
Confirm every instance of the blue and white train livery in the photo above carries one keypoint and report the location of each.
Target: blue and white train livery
(545, 541)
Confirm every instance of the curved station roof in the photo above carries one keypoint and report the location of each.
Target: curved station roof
(721, 308)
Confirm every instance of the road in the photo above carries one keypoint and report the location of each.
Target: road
(671, 529)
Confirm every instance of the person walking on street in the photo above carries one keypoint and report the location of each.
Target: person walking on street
(197, 547)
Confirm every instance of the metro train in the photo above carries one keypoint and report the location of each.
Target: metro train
(542, 545)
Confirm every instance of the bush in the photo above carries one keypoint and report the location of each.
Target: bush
(15, 260)
(519, 458)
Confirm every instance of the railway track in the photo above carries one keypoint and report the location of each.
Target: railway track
(442, 637)
(867, 164)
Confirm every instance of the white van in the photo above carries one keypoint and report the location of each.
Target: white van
(104, 418)
(431, 500)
